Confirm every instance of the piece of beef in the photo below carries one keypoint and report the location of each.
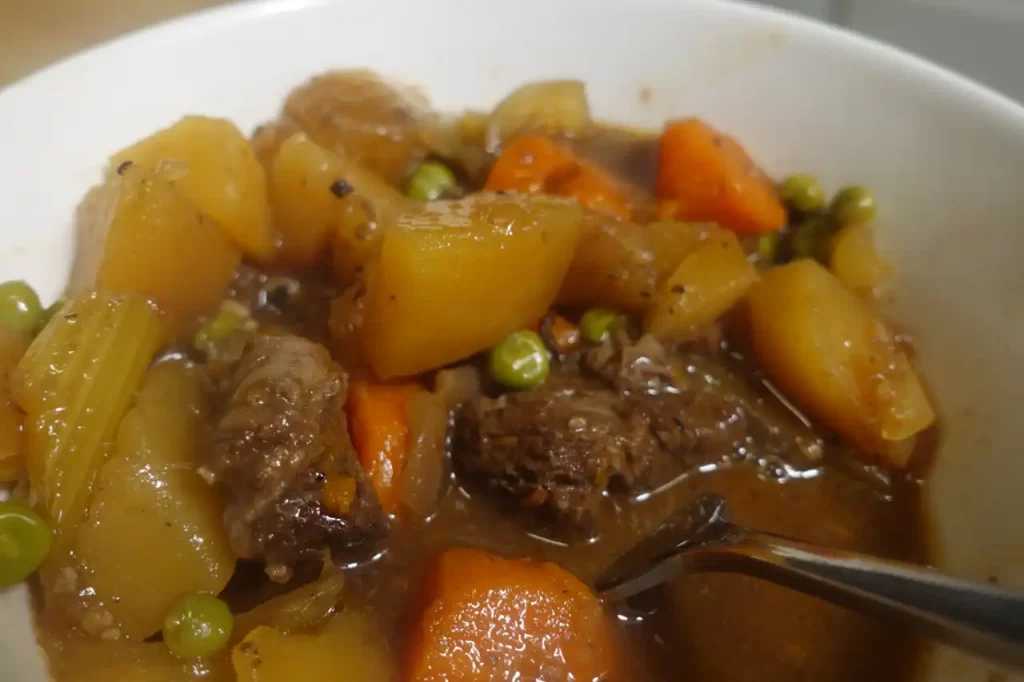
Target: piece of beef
(615, 424)
(280, 435)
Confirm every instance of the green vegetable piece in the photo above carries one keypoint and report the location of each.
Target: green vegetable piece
(854, 206)
(803, 192)
(431, 181)
(226, 322)
(198, 625)
(597, 324)
(811, 238)
(768, 247)
(520, 361)
(20, 309)
(24, 542)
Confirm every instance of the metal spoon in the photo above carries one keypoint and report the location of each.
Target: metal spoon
(980, 618)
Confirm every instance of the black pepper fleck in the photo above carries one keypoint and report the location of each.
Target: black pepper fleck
(392, 297)
(71, 317)
(123, 166)
(341, 189)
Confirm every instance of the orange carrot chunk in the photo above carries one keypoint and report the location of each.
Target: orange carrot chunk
(380, 433)
(488, 618)
(536, 164)
(710, 177)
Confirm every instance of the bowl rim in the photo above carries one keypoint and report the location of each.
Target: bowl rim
(853, 42)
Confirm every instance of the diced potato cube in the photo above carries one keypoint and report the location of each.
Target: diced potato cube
(137, 234)
(709, 281)
(154, 530)
(833, 356)
(216, 169)
(454, 278)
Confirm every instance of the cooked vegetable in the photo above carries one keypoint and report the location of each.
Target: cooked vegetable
(833, 357)
(853, 205)
(267, 140)
(345, 325)
(431, 181)
(671, 240)
(456, 277)
(811, 238)
(212, 164)
(520, 361)
(614, 265)
(74, 384)
(91, 659)
(708, 282)
(52, 310)
(231, 318)
(712, 178)
(768, 248)
(558, 333)
(148, 490)
(20, 309)
(856, 262)
(323, 200)
(362, 118)
(427, 419)
(486, 617)
(346, 648)
(597, 324)
(380, 433)
(542, 107)
(803, 192)
(138, 234)
(536, 164)
(300, 610)
(24, 542)
(197, 626)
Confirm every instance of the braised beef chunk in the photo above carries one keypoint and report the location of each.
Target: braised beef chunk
(281, 434)
(613, 425)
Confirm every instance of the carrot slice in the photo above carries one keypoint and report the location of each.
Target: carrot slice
(536, 164)
(380, 434)
(485, 618)
(711, 178)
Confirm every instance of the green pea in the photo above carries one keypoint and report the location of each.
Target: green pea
(197, 625)
(811, 238)
(24, 542)
(20, 309)
(431, 181)
(597, 324)
(520, 361)
(803, 192)
(768, 247)
(853, 205)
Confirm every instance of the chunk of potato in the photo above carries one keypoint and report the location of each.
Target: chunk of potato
(301, 610)
(613, 266)
(323, 200)
(154, 530)
(672, 240)
(829, 352)
(87, 659)
(267, 140)
(558, 106)
(454, 278)
(138, 234)
(215, 168)
(857, 263)
(347, 648)
(709, 281)
(359, 116)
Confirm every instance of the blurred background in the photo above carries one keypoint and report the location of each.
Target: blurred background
(981, 38)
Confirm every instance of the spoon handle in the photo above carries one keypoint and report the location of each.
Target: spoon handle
(979, 618)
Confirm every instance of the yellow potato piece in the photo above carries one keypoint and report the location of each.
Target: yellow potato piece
(138, 234)
(88, 659)
(216, 169)
(832, 355)
(710, 280)
(613, 266)
(154, 530)
(347, 648)
(454, 278)
(323, 200)
(855, 261)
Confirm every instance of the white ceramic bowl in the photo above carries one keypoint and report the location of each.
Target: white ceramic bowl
(946, 157)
